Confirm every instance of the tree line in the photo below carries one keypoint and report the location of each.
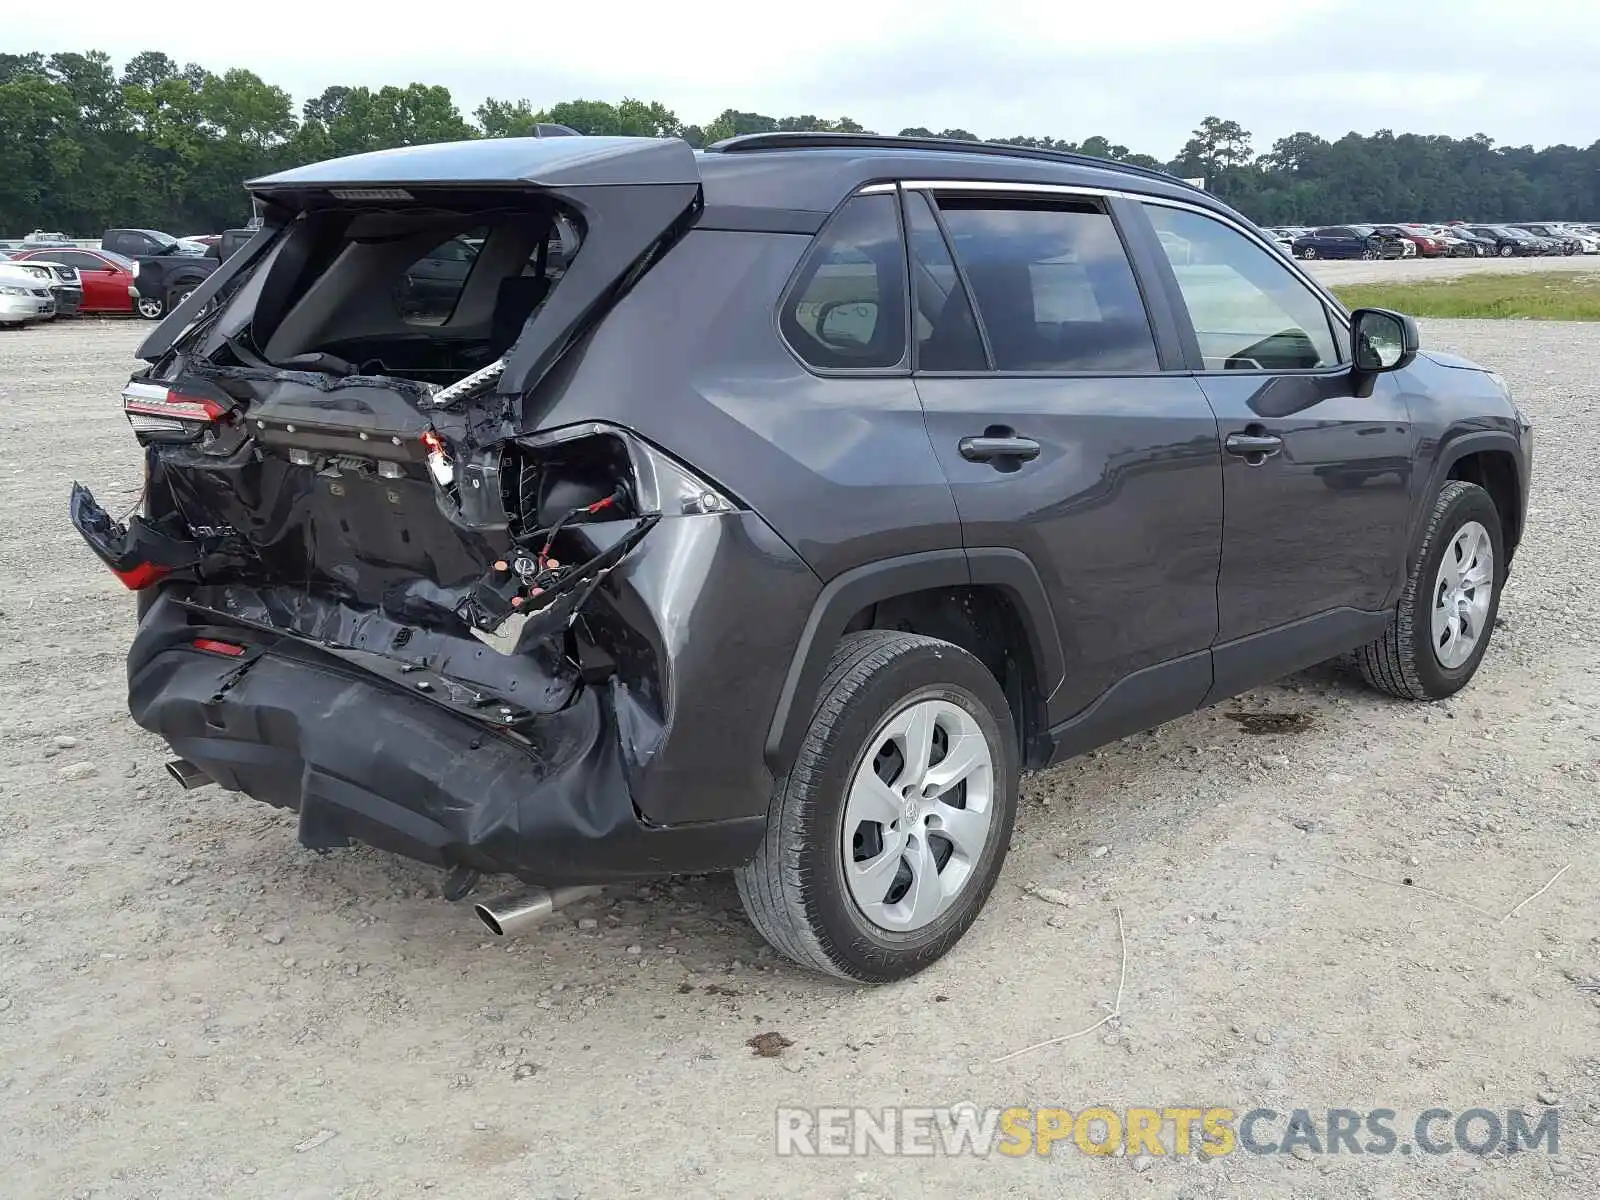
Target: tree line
(84, 146)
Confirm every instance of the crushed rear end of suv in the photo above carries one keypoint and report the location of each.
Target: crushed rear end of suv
(380, 584)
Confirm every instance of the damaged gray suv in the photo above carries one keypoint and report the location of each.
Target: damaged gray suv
(770, 509)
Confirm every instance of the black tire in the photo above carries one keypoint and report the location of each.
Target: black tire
(1402, 662)
(1309, 253)
(794, 889)
(1507, 251)
(181, 293)
(151, 308)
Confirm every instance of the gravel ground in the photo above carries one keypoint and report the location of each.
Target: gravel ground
(1408, 270)
(192, 1005)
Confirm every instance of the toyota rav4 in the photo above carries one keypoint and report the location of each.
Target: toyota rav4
(771, 508)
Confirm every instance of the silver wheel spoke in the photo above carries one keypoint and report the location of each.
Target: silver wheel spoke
(926, 899)
(871, 799)
(967, 829)
(917, 732)
(968, 753)
(874, 876)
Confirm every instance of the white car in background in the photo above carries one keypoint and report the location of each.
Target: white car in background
(23, 298)
(1589, 239)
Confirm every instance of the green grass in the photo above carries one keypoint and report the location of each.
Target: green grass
(1563, 296)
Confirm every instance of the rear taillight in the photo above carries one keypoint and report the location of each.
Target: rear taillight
(141, 575)
(154, 408)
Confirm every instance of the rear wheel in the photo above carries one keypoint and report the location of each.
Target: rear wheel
(181, 293)
(1309, 252)
(1446, 614)
(886, 837)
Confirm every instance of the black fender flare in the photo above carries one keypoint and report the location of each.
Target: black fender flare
(1453, 450)
(846, 594)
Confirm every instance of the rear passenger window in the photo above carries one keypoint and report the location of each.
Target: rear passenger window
(1054, 289)
(947, 334)
(846, 310)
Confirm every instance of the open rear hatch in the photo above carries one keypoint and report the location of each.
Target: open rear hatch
(344, 465)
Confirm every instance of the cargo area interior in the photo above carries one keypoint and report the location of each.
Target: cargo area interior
(428, 293)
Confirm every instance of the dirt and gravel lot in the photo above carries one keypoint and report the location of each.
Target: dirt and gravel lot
(192, 1005)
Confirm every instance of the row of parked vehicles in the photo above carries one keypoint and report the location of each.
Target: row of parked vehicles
(1457, 239)
(141, 272)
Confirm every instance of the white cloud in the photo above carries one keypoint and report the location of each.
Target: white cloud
(1142, 72)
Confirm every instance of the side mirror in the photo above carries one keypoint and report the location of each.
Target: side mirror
(1383, 340)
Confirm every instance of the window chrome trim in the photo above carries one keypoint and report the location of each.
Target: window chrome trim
(1000, 185)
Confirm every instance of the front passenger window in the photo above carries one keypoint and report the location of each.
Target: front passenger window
(1250, 311)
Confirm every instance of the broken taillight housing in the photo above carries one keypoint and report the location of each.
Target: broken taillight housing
(161, 413)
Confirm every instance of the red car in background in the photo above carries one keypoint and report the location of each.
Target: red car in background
(107, 278)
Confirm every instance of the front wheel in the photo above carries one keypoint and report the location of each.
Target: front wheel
(888, 833)
(1507, 251)
(1442, 625)
(151, 308)
(1369, 254)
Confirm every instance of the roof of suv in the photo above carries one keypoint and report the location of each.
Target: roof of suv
(815, 171)
(811, 172)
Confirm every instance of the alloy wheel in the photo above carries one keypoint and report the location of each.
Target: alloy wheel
(1462, 590)
(149, 308)
(918, 815)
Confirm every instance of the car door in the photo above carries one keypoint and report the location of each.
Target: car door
(99, 283)
(1065, 439)
(1317, 475)
(1339, 242)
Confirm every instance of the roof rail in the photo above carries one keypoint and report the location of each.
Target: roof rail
(880, 141)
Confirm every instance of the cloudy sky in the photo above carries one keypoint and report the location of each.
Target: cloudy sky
(1141, 72)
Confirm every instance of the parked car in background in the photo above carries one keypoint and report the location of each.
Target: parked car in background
(23, 298)
(1509, 242)
(1587, 238)
(1426, 245)
(131, 243)
(1567, 243)
(1480, 246)
(106, 278)
(1454, 246)
(65, 287)
(164, 280)
(1347, 241)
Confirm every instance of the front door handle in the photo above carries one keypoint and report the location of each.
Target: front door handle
(988, 449)
(1254, 448)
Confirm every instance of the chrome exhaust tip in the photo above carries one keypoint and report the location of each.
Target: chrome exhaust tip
(187, 774)
(505, 916)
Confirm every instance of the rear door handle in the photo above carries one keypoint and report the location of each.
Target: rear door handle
(988, 449)
(1255, 447)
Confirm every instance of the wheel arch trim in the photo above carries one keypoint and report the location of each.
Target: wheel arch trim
(1007, 570)
(1453, 450)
